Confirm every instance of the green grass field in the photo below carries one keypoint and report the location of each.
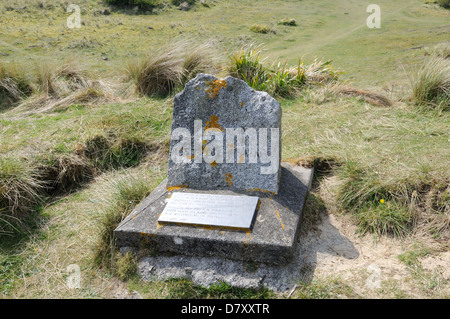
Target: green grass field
(85, 146)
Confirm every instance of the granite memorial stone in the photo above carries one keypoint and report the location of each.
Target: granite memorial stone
(225, 135)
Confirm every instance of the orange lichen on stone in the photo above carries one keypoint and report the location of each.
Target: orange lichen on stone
(248, 238)
(214, 87)
(242, 104)
(279, 218)
(172, 188)
(213, 123)
(229, 179)
(213, 164)
(261, 190)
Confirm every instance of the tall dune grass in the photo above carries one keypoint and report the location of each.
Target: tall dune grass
(162, 72)
(14, 85)
(431, 83)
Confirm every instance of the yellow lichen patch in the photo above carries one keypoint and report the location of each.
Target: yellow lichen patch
(242, 104)
(279, 218)
(213, 87)
(248, 237)
(261, 190)
(213, 123)
(172, 188)
(229, 179)
(213, 164)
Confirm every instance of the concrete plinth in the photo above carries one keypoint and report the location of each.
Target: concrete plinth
(270, 240)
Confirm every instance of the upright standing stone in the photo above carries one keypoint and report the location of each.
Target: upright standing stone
(225, 135)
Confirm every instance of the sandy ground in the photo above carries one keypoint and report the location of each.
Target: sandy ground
(330, 252)
(371, 265)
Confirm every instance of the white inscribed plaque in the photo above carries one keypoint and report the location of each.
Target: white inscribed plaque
(210, 209)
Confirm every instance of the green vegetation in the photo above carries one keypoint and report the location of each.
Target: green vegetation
(126, 194)
(140, 4)
(85, 117)
(14, 85)
(261, 28)
(278, 79)
(444, 3)
(431, 84)
(162, 73)
(328, 288)
(185, 289)
(289, 22)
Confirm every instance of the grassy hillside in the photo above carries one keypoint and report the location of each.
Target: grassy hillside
(83, 138)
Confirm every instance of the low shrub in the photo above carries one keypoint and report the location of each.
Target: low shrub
(179, 2)
(288, 22)
(444, 3)
(144, 5)
(261, 28)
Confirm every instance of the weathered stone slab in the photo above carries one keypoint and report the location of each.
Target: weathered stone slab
(210, 210)
(225, 135)
(270, 240)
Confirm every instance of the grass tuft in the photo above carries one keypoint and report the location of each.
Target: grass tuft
(14, 85)
(20, 188)
(388, 218)
(163, 72)
(378, 207)
(431, 83)
(63, 173)
(114, 152)
(127, 191)
(279, 79)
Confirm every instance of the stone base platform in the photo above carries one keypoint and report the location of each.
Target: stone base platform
(270, 240)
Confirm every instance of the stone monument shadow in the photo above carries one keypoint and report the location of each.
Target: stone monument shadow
(322, 243)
